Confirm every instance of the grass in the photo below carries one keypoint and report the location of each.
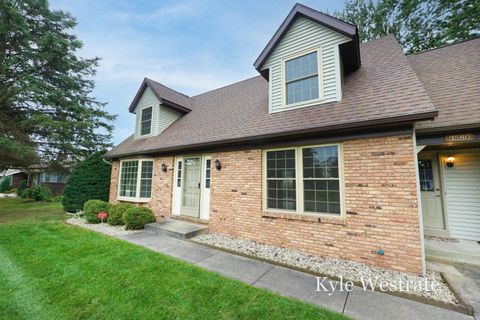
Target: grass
(51, 270)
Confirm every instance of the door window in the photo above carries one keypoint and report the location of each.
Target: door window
(426, 174)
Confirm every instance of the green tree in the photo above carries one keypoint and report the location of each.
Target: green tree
(90, 179)
(417, 24)
(46, 109)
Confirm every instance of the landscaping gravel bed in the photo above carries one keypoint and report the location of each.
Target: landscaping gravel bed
(336, 268)
(105, 228)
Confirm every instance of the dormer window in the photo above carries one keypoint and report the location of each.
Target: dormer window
(146, 121)
(302, 78)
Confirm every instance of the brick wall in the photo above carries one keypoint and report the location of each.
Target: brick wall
(380, 197)
(161, 201)
(381, 204)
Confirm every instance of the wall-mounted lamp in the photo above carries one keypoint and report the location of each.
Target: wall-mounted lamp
(218, 165)
(164, 167)
(450, 161)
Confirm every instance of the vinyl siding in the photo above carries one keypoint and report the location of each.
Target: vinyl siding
(162, 116)
(462, 184)
(303, 35)
(167, 117)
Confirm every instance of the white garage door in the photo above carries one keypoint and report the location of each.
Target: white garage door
(462, 184)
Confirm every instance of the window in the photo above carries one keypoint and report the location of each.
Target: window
(426, 175)
(146, 179)
(146, 121)
(304, 179)
(132, 184)
(208, 164)
(179, 174)
(281, 185)
(321, 185)
(301, 78)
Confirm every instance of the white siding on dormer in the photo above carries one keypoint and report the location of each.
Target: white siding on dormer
(302, 36)
(162, 116)
(167, 117)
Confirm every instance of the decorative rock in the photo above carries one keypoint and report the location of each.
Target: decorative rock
(348, 270)
(105, 228)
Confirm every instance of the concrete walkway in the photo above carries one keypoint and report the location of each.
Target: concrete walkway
(298, 285)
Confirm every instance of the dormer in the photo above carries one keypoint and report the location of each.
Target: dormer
(307, 58)
(156, 107)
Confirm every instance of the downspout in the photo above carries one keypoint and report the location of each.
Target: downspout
(419, 201)
(106, 161)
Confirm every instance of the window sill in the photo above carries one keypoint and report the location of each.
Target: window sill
(309, 217)
(137, 200)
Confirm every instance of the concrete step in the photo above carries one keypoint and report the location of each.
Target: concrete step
(176, 228)
(461, 251)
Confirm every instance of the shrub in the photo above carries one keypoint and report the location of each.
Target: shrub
(90, 179)
(92, 207)
(115, 215)
(137, 217)
(5, 183)
(37, 193)
(21, 188)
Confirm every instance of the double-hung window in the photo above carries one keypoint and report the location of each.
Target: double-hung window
(136, 179)
(146, 121)
(301, 79)
(304, 180)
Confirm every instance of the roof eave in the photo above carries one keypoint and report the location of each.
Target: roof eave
(337, 25)
(404, 119)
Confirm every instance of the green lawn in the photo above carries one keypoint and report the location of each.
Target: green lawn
(51, 270)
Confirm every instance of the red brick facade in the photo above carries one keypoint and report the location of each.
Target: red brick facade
(380, 197)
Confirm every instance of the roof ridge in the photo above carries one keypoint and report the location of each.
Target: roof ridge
(160, 84)
(226, 86)
(444, 46)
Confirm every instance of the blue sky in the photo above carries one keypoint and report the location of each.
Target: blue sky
(190, 46)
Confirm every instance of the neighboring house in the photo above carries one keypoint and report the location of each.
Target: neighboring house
(335, 149)
(53, 180)
(38, 175)
(15, 175)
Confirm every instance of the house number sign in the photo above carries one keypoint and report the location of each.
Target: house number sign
(460, 137)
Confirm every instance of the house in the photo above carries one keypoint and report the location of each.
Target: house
(54, 180)
(15, 175)
(338, 148)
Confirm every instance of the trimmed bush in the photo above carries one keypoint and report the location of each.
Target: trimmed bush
(90, 179)
(92, 207)
(137, 217)
(5, 184)
(14, 190)
(21, 187)
(37, 193)
(115, 215)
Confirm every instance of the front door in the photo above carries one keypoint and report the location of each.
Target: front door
(191, 187)
(431, 191)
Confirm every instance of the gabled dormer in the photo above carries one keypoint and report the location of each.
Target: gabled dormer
(156, 107)
(307, 58)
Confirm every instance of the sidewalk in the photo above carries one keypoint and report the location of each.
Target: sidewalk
(291, 283)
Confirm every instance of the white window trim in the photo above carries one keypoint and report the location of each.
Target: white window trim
(299, 182)
(320, 80)
(151, 122)
(139, 176)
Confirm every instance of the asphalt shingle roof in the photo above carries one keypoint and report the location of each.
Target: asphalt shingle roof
(451, 76)
(384, 89)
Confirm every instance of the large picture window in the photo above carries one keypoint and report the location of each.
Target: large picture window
(301, 78)
(136, 179)
(305, 179)
(146, 121)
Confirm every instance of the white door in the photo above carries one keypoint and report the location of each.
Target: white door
(431, 191)
(191, 187)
